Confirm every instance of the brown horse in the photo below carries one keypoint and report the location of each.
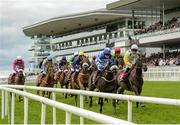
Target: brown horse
(105, 83)
(80, 81)
(135, 80)
(61, 78)
(17, 79)
(46, 81)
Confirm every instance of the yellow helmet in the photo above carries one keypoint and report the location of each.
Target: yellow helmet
(81, 53)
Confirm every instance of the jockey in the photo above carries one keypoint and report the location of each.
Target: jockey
(102, 61)
(18, 63)
(130, 58)
(77, 62)
(117, 55)
(62, 63)
(46, 63)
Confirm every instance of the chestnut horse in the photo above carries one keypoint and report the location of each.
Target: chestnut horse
(105, 83)
(135, 80)
(60, 78)
(17, 79)
(46, 81)
(81, 80)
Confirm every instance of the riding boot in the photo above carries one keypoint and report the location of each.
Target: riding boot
(96, 76)
(126, 74)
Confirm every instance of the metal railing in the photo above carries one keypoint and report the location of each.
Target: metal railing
(45, 101)
(128, 98)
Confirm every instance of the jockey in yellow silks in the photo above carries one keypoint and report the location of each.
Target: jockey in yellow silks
(130, 58)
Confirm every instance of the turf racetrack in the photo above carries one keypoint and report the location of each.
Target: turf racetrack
(150, 114)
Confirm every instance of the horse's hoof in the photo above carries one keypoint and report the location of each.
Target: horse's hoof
(142, 105)
(90, 105)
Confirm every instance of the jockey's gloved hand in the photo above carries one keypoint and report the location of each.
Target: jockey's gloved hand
(77, 70)
(101, 68)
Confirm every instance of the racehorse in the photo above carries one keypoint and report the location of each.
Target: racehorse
(105, 83)
(81, 80)
(17, 79)
(135, 80)
(46, 81)
(61, 78)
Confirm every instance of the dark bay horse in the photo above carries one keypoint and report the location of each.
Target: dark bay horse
(46, 81)
(105, 83)
(135, 80)
(17, 79)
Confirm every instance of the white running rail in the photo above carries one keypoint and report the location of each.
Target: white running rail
(45, 101)
(128, 98)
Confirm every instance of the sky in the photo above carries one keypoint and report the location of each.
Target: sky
(16, 14)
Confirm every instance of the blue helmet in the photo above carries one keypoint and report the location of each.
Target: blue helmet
(50, 57)
(107, 51)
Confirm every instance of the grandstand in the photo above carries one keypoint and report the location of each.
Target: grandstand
(156, 26)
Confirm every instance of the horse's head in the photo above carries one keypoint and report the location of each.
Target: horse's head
(85, 63)
(20, 73)
(139, 62)
(110, 71)
(50, 71)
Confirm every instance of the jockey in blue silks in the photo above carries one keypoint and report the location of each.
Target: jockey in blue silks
(102, 61)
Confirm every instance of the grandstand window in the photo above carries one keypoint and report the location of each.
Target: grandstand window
(78, 42)
(70, 43)
(100, 37)
(86, 40)
(62, 44)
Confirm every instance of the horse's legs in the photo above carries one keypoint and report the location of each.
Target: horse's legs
(38, 84)
(76, 99)
(20, 97)
(120, 91)
(106, 100)
(90, 103)
(66, 85)
(101, 104)
(137, 94)
(141, 103)
(114, 106)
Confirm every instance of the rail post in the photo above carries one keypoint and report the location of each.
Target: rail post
(81, 106)
(54, 109)
(2, 108)
(129, 110)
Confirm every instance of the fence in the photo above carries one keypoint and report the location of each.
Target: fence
(128, 98)
(164, 73)
(44, 101)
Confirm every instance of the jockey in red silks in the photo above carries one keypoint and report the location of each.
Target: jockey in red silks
(18, 63)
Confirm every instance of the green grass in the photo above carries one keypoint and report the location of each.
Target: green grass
(150, 114)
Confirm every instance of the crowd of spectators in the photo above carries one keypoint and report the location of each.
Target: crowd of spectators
(171, 59)
(170, 24)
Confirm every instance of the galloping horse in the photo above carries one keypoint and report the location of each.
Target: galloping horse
(81, 80)
(46, 81)
(105, 83)
(17, 79)
(135, 80)
(61, 78)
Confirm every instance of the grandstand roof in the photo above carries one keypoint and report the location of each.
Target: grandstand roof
(143, 4)
(69, 23)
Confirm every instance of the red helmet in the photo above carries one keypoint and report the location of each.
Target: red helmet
(117, 50)
(94, 57)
